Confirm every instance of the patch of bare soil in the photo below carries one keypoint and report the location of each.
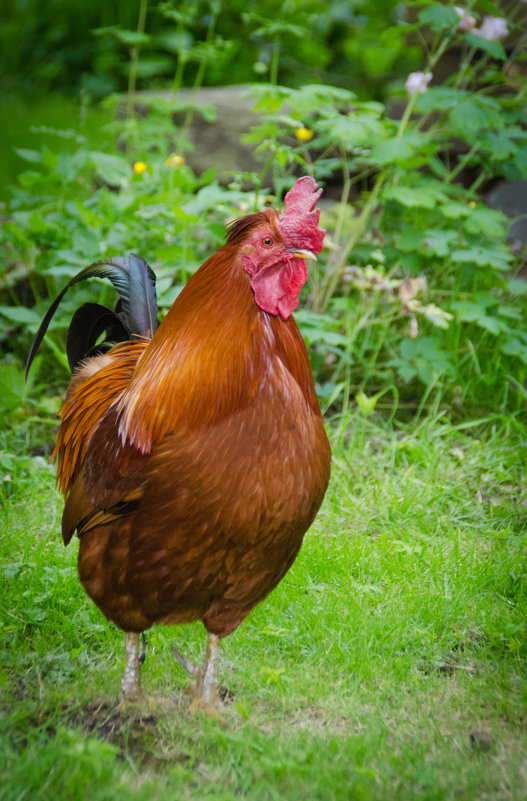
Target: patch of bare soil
(135, 728)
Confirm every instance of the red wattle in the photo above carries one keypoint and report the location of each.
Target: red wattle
(276, 289)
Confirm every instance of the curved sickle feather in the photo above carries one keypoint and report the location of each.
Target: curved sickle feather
(135, 283)
(86, 327)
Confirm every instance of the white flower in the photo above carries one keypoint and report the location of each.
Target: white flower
(417, 82)
(492, 28)
(467, 21)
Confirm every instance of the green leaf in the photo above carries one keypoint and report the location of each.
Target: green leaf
(412, 196)
(114, 170)
(366, 405)
(410, 240)
(482, 220)
(514, 347)
(29, 155)
(510, 312)
(131, 38)
(491, 324)
(407, 372)
(499, 145)
(439, 98)
(453, 210)
(392, 151)
(438, 242)
(21, 315)
(408, 348)
(474, 312)
(470, 115)
(469, 311)
(517, 286)
(282, 156)
(494, 49)
(268, 105)
(484, 257)
(439, 18)
(353, 130)
(427, 348)
(150, 67)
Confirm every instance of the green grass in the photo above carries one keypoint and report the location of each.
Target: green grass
(398, 633)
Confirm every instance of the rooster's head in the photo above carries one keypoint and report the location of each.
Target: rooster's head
(274, 247)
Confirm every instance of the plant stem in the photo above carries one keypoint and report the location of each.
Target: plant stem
(275, 60)
(260, 180)
(200, 74)
(461, 164)
(134, 60)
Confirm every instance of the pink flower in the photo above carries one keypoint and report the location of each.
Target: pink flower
(417, 82)
(492, 28)
(467, 21)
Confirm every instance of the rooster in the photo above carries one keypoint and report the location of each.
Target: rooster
(193, 456)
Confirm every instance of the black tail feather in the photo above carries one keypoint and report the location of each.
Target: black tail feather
(87, 324)
(135, 283)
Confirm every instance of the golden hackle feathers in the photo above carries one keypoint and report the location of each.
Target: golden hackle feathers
(89, 397)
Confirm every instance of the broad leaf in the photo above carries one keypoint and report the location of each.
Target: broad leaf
(494, 49)
(439, 18)
(113, 170)
(411, 196)
(392, 151)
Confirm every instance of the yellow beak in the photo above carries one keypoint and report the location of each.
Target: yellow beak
(299, 253)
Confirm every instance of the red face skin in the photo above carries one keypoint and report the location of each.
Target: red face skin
(277, 272)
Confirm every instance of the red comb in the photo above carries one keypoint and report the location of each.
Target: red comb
(299, 222)
(302, 197)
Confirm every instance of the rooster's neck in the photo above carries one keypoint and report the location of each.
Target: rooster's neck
(211, 355)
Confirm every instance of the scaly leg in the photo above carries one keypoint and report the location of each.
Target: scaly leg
(131, 682)
(204, 688)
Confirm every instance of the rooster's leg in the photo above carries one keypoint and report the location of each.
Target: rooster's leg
(131, 683)
(204, 688)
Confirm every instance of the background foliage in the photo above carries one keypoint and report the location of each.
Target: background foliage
(418, 300)
(72, 46)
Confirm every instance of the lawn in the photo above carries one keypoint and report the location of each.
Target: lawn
(390, 663)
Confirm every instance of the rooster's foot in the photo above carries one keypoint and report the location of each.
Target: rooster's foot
(204, 688)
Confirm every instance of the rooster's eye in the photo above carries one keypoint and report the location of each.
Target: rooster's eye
(267, 241)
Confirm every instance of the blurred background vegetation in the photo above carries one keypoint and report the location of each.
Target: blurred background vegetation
(62, 52)
(75, 47)
(418, 306)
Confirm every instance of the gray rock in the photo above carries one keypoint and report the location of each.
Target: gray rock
(511, 198)
(217, 144)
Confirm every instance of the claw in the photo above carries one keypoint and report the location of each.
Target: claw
(190, 667)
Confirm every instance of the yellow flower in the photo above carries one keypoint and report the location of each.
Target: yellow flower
(303, 134)
(174, 161)
(472, 204)
(139, 167)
